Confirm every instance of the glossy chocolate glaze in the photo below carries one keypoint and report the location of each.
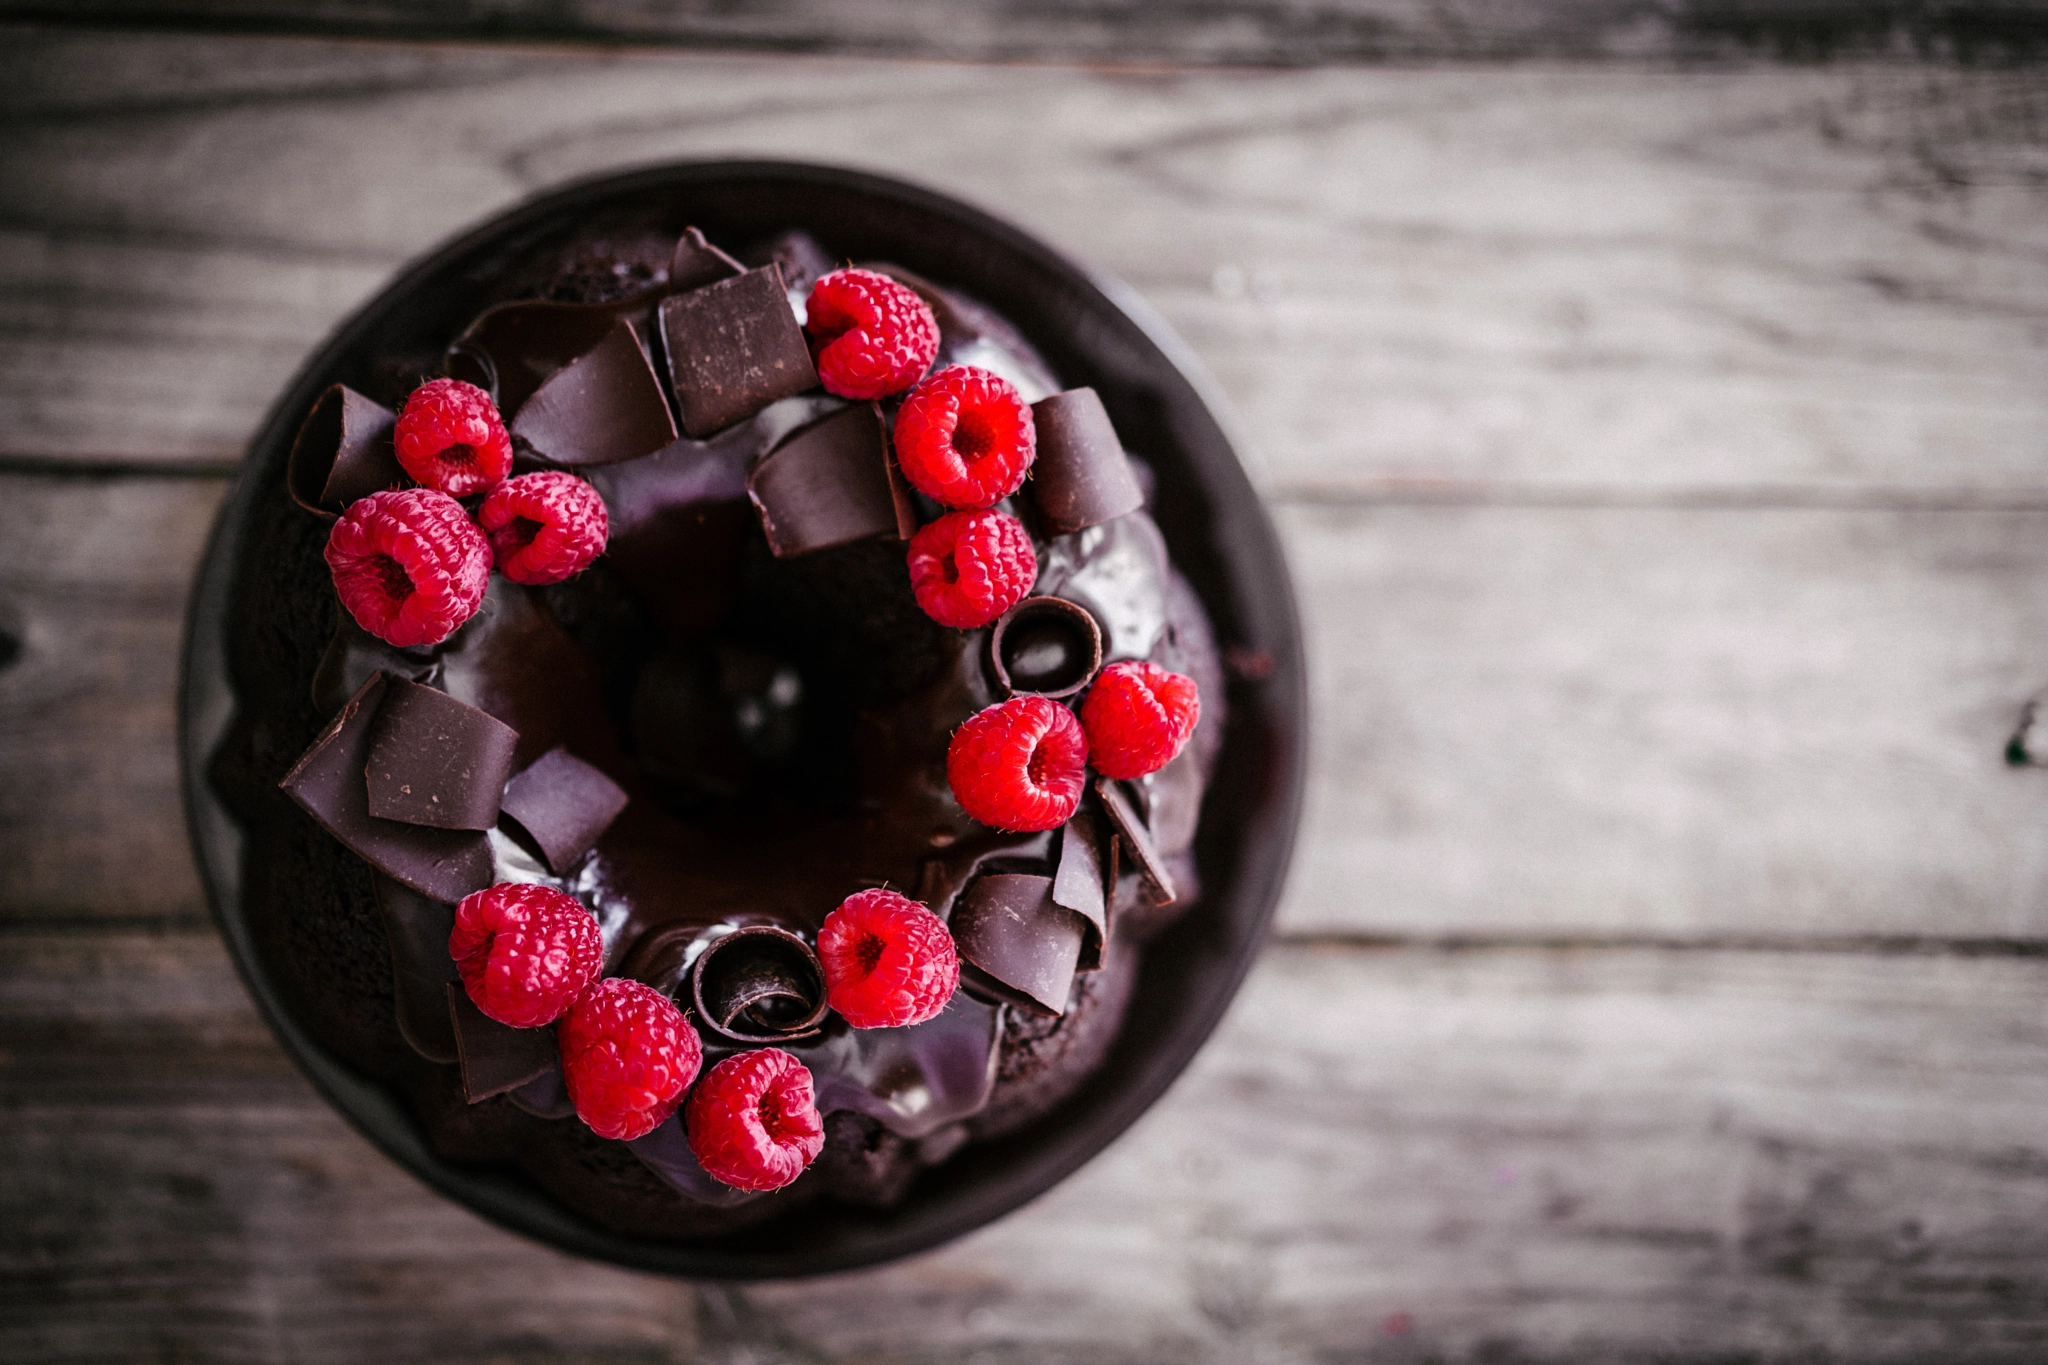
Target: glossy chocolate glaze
(780, 727)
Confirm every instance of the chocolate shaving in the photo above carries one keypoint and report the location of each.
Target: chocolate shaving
(417, 928)
(826, 485)
(1045, 647)
(436, 761)
(1136, 837)
(1023, 945)
(734, 347)
(697, 263)
(1077, 883)
(328, 782)
(759, 984)
(343, 452)
(497, 1057)
(1081, 477)
(511, 349)
(563, 805)
(604, 407)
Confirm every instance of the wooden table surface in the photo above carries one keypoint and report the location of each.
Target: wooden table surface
(1659, 433)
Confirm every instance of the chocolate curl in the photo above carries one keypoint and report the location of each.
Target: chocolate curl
(328, 782)
(1081, 477)
(417, 929)
(1138, 839)
(510, 350)
(1079, 883)
(342, 453)
(697, 263)
(604, 407)
(436, 761)
(497, 1057)
(1023, 946)
(563, 805)
(734, 347)
(826, 485)
(918, 1079)
(759, 984)
(1045, 647)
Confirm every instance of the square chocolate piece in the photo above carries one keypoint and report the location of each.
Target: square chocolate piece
(734, 347)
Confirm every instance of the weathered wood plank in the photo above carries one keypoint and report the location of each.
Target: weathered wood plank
(1582, 1155)
(1236, 31)
(1786, 282)
(1533, 721)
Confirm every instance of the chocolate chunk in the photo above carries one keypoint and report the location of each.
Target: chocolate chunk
(1082, 477)
(1078, 882)
(417, 928)
(328, 781)
(697, 263)
(759, 984)
(437, 761)
(497, 1057)
(343, 452)
(546, 1096)
(564, 805)
(1137, 838)
(1045, 647)
(734, 347)
(826, 485)
(918, 1079)
(512, 348)
(604, 407)
(1023, 944)
(666, 1152)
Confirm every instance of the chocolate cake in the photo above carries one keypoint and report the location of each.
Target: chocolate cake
(731, 721)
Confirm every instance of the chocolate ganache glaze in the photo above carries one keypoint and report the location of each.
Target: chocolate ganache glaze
(732, 721)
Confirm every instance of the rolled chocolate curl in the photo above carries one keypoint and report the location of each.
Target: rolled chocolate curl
(734, 347)
(604, 407)
(563, 805)
(1045, 647)
(697, 263)
(436, 761)
(759, 984)
(1024, 946)
(826, 485)
(343, 452)
(1081, 477)
(327, 781)
(510, 350)
(496, 1057)
(1079, 882)
(1131, 830)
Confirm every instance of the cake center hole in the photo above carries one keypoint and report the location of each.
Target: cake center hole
(392, 577)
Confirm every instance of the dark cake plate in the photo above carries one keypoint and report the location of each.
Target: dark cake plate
(1094, 331)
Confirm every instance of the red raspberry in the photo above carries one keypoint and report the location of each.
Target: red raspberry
(968, 568)
(627, 1057)
(888, 960)
(1138, 716)
(753, 1122)
(409, 565)
(965, 437)
(451, 438)
(525, 952)
(544, 527)
(1019, 765)
(871, 336)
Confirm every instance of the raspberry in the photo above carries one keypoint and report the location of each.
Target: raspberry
(888, 960)
(1138, 716)
(544, 527)
(753, 1122)
(965, 437)
(451, 438)
(408, 565)
(870, 335)
(525, 952)
(627, 1057)
(968, 568)
(1019, 765)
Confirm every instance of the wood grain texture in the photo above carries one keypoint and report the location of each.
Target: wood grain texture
(1575, 1155)
(1778, 284)
(1280, 32)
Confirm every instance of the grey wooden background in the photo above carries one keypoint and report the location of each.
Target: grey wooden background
(1659, 431)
